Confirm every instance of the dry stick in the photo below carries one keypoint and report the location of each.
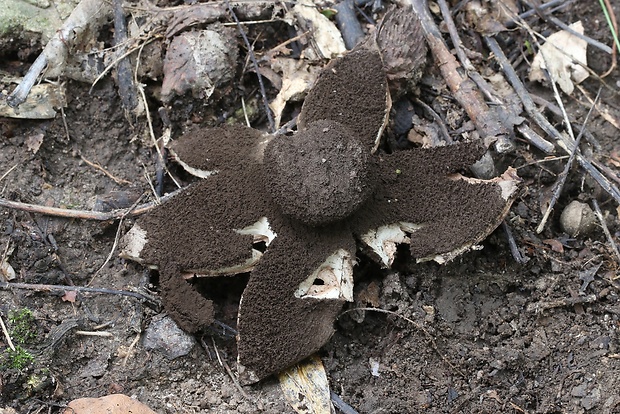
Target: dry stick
(126, 87)
(557, 112)
(512, 244)
(347, 23)
(82, 289)
(536, 140)
(341, 405)
(6, 335)
(272, 125)
(559, 184)
(83, 20)
(442, 125)
(116, 239)
(560, 303)
(543, 123)
(98, 166)
(130, 349)
(8, 172)
(104, 334)
(463, 89)
(511, 23)
(417, 326)
(504, 143)
(85, 214)
(599, 215)
(230, 373)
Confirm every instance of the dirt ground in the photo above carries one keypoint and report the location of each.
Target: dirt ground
(481, 334)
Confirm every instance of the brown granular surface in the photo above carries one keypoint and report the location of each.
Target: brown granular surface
(226, 147)
(184, 304)
(195, 230)
(415, 187)
(352, 91)
(276, 329)
(319, 175)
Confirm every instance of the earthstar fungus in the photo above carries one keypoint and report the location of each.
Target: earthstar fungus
(310, 199)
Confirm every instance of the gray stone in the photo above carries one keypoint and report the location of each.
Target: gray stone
(163, 335)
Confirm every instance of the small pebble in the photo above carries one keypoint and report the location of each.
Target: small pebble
(163, 335)
(577, 219)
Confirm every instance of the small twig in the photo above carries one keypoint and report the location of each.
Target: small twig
(512, 244)
(341, 405)
(8, 172)
(116, 239)
(98, 166)
(562, 3)
(82, 289)
(535, 139)
(126, 87)
(230, 373)
(84, 19)
(104, 334)
(261, 84)
(601, 219)
(565, 27)
(559, 184)
(6, 335)
(463, 89)
(64, 122)
(531, 109)
(245, 113)
(417, 326)
(610, 16)
(132, 345)
(442, 125)
(347, 23)
(85, 214)
(560, 303)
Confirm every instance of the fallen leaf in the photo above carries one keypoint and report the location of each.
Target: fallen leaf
(564, 56)
(556, 245)
(69, 296)
(7, 270)
(33, 142)
(297, 78)
(326, 35)
(306, 388)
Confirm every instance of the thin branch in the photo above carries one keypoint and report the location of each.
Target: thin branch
(559, 184)
(531, 109)
(565, 27)
(272, 125)
(82, 289)
(85, 214)
(6, 335)
(601, 219)
(463, 89)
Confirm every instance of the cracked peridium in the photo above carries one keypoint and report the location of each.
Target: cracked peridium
(311, 199)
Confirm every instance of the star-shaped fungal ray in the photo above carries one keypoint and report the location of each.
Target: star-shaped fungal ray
(294, 294)
(421, 199)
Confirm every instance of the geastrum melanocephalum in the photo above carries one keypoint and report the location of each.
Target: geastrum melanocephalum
(310, 198)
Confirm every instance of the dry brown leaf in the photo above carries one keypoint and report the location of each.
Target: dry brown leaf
(306, 388)
(69, 296)
(556, 245)
(325, 34)
(564, 56)
(297, 78)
